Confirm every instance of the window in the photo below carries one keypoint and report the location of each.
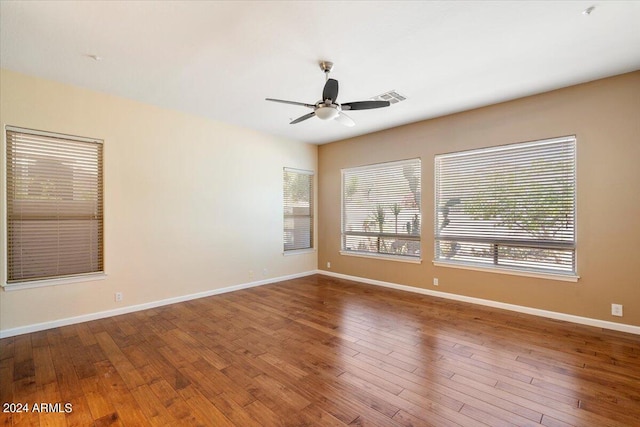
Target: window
(54, 206)
(298, 209)
(381, 209)
(510, 207)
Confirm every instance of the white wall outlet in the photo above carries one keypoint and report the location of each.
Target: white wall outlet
(118, 297)
(250, 274)
(616, 309)
(328, 265)
(265, 272)
(435, 281)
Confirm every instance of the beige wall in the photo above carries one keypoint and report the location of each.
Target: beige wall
(605, 117)
(191, 204)
(182, 192)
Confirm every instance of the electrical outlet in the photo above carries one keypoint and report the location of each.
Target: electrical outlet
(118, 296)
(435, 281)
(250, 274)
(265, 272)
(616, 310)
(328, 265)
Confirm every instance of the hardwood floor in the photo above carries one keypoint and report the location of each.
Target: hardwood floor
(323, 351)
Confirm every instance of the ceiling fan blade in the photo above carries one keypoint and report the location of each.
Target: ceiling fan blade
(291, 102)
(330, 90)
(302, 118)
(364, 105)
(345, 120)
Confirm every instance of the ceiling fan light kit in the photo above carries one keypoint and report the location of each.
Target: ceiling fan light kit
(328, 108)
(327, 113)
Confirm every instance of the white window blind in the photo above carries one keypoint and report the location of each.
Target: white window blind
(381, 209)
(54, 206)
(512, 206)
(298, 209)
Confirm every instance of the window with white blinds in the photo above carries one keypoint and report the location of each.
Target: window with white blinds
(54, 206)
(381, 209)
(510, 207)
(298, 209)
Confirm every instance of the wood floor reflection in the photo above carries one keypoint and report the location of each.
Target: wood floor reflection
(322, 351)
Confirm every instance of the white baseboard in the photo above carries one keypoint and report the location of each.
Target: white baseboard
(512, 307)
(132, 308)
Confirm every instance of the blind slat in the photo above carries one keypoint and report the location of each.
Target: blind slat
(381, 208)
(298, 209)
(54, 205)
(508, 206)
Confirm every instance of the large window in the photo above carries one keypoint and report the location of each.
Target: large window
(54, 206)
(298, 209)
(510, 207)
(381, 209)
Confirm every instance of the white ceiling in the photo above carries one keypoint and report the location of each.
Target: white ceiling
(221, 59)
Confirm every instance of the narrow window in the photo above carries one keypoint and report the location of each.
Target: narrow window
(298, 209)
(510, 207)
(54, 206)
(381, 209)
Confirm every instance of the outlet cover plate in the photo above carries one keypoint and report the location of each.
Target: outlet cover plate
(616, 309)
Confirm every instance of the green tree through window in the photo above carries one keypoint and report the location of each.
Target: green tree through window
(381, 209)
(510, 206)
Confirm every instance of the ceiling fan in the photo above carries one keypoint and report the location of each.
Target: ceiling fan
(328, 108)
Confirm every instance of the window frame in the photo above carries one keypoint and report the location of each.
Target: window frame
(311, 215)
(495, 267)
(51, 280)
(379, 255)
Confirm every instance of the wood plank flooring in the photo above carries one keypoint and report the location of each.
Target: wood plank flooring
(319, 351)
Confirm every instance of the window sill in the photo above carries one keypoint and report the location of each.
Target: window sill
(539, 275)
(298, 252)
(53, 282)
(398, 258)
